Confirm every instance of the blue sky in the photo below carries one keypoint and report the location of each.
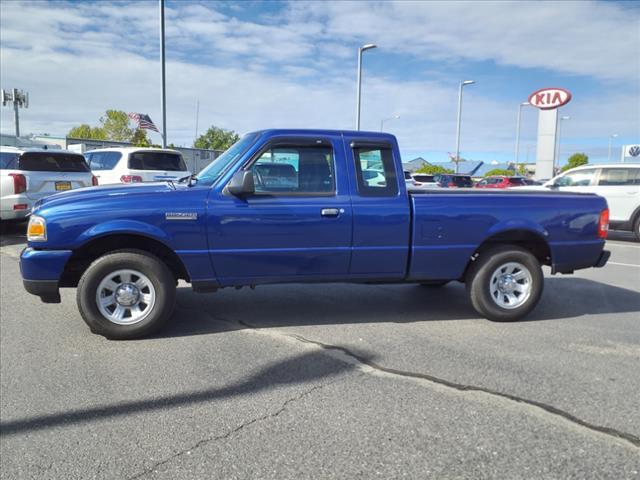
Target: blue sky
(255, 65)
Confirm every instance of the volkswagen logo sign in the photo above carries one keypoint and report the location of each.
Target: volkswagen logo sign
(634, 151)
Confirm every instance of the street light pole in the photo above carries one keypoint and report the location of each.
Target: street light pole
(556, 160)
(395, 117)
(462, 84)
(611, 137)
(517, 156)
(364, 48)
(164, 83)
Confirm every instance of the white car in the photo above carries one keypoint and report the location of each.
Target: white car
(27, 175)
(424, 180)
(132, 165)
(618, 183)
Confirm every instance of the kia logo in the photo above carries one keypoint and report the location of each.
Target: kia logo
(549, 98)
(634, 151)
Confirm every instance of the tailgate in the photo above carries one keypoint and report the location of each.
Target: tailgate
(51, 172)
(40, 184)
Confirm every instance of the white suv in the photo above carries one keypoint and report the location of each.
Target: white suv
(27, 175)
(132, 165)
(618, 183)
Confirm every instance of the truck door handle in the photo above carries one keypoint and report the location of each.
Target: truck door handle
(329, 212)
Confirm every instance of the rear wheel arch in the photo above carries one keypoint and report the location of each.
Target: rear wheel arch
(93, 249)
(529, 240)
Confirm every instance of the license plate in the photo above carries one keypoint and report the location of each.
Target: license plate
(61, 186)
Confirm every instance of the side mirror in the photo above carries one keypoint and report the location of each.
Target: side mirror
(241, 184)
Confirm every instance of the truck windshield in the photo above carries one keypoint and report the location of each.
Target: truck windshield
(215, 169)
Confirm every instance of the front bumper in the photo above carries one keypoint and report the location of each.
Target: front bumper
(47, 290)
(41, 271)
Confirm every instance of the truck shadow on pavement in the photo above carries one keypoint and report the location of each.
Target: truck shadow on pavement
(340, 304)
(307, 368)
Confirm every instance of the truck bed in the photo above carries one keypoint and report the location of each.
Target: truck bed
(448, 225)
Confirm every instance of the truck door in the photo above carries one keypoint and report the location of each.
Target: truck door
(297, 225)
(381, 215)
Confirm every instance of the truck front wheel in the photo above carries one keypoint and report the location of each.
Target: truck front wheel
(126, 294)
(505, 283)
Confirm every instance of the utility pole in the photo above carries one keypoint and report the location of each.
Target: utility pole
(197, 118)
(364, 48)
(462, 84)
(611, 137)
(20, 99)
(164, 83)
(517, 155)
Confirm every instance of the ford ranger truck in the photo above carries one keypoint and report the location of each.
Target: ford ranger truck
(284, 206)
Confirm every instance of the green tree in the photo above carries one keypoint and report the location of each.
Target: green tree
(88, 132)
(433, 170)
(500, 171)
(576, 160)
(115, 124)
(140, 139)
(216, 139)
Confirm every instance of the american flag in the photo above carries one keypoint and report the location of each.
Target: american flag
(143, 120)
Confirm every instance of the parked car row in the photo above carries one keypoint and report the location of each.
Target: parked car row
(27, 175)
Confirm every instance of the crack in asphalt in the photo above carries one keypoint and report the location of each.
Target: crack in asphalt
(226, 435)
(611, 432)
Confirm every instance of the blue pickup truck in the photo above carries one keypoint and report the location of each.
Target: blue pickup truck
(285, 206)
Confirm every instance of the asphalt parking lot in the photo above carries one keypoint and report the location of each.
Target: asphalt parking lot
(331, 381)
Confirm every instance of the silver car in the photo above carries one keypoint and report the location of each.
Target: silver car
(27, 175)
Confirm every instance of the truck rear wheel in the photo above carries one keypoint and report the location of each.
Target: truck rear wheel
(126, 294)
(505, 283)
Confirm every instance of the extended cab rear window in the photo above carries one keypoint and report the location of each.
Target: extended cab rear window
(172, 162)
(52, 162)
(375, 170)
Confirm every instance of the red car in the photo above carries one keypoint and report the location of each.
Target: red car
(501, 181)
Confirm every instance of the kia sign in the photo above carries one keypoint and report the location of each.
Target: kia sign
(549, 98)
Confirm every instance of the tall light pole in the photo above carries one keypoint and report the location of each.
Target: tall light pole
(556, 160)
(164, 83)
(20, 99)
(517, 155)
(611, 137)
(364, 48)
(462, 84)
(395, 117)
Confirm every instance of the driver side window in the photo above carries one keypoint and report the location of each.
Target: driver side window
(305, 170)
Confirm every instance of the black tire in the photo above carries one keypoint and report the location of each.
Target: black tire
(156, 271)
(636, 229)
(479, 283)
(434, 284)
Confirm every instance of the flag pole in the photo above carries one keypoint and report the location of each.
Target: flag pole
(164, 85)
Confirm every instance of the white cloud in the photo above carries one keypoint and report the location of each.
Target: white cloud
(291, 73)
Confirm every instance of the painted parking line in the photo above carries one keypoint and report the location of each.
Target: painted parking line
(623, 245)
(624, 264)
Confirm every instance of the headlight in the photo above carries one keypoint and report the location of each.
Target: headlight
(37, 229)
